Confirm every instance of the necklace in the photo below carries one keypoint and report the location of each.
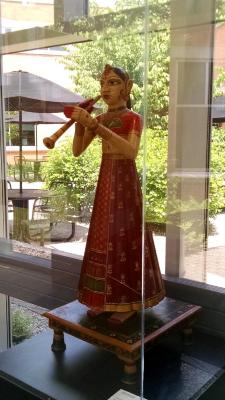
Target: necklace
(117, 109)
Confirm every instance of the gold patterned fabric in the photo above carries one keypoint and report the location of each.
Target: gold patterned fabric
(111, 276)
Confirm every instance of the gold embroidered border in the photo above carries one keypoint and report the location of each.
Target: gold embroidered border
(135, 306)
(130, 306)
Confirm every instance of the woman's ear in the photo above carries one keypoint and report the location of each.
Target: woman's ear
(129, 85)
(127, 89)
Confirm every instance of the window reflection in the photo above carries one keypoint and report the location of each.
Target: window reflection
(200, 229)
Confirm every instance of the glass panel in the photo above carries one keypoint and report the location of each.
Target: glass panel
(189, 200)
(154, 181)
(189, 141)
(51, 194)
(156, 141)
(195, 167)
(216, 234)
(196, 184)
(46, 226)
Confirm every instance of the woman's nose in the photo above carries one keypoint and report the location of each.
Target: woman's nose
(104, 89)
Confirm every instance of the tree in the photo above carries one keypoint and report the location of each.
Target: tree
(120, 39)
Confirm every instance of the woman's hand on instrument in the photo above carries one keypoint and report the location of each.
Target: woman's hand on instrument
(84, 118)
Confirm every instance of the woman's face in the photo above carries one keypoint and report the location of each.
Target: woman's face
(112, 88)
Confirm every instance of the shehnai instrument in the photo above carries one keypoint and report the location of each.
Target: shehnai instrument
(50, 141)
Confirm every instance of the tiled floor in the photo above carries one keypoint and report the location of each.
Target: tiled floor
(85, 372)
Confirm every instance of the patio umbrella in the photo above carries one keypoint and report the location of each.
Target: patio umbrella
(23, 91)
(36, 119)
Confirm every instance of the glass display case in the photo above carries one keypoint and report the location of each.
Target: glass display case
(112, 228)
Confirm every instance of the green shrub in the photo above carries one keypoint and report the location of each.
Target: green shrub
(82, 171)
(21, 325)
(156, 174)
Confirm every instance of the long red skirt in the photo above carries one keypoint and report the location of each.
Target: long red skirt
(111, 275)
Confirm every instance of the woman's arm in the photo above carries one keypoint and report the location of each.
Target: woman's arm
(82, 138)
(128, 147)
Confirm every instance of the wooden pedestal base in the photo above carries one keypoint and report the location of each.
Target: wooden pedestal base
(125, 341)
(58, 344)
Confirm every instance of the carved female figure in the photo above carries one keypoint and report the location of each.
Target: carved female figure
(111, 276)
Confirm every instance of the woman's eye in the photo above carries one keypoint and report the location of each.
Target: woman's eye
(114, 82)
(110, 82)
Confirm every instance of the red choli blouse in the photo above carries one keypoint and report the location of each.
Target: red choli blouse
(124, 123)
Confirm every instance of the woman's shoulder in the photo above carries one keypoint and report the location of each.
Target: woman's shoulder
(134, 120)
(133, 114)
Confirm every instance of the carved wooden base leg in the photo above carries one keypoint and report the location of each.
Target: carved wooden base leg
(58, 343)
(129, 371)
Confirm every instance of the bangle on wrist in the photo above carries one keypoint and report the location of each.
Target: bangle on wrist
(95, 125)
(104, 133)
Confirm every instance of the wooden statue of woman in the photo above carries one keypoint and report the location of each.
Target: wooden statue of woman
(111, 275)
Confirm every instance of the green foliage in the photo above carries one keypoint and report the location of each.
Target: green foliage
(21, 325)
(220, 10)
(121, 42)
(217, 172)
(81, 171)
(158, 78)
(219, 82)
(156, 180)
